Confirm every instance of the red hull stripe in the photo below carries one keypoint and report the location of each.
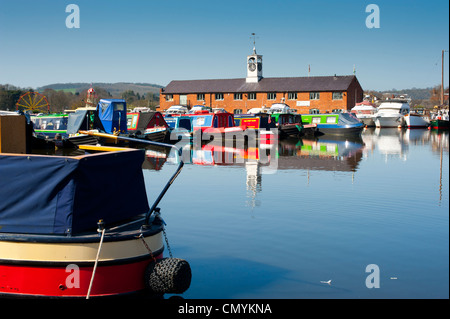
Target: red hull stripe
(69, 281)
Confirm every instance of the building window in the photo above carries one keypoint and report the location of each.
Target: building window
(252, 96)
(271, 96)
(292, 95)
(314, 95)
(219, 96)
(169, 97)
(337, 111)
(237, 111)
(337, 95)
(200, 97)
(314, 111)
(238, 96)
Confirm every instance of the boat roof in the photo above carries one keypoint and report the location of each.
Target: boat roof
(364, 106)
(59, 195)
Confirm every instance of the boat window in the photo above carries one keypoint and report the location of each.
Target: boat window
(119, 107)
(104, 106)
(215, 121)
(230, 121)
(44, 124)
(185, 123)
(315, 120)
(331, 120)
(200, 121)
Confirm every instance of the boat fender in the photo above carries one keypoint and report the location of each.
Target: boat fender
(168, 275)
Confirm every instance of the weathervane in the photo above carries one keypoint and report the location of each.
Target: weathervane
(254, 42)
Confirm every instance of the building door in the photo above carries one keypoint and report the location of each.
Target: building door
(183, 99)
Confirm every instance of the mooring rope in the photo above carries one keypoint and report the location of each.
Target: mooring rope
(95, 264)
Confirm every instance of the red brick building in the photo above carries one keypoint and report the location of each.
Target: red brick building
(318, 94)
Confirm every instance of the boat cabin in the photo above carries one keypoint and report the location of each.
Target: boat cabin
(179, 122)
(176, 109)
(113, 115)
(50, 124)
(142, 121)
(286, 118)
(281, 108)
(364, 108)
(254, 121)
(200, 108)
(68, 195)
(212, 120)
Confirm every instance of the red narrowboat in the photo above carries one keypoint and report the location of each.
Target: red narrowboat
(81, 226)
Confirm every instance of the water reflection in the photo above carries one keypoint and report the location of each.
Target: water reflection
(393, 142)
(324, 153)
(339, 154)
(316, 222)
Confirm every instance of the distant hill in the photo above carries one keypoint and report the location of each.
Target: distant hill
(116, 89)
(414, 93)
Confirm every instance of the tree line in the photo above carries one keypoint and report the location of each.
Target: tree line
(60, 100)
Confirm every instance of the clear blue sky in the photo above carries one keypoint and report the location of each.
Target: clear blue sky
(159, 41)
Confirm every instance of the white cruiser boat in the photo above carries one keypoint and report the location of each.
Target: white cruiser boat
(391, 113)
(365, 111)
(414, 120)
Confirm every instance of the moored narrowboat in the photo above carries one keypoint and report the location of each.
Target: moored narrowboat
(148, 125)
(49, 125)
(215, 123)
(262, 125)
(61, 235)
(334, 123)
(288, 124)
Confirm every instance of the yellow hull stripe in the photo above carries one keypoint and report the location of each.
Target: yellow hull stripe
(78, 252)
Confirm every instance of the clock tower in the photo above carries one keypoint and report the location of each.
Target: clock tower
(254, 67)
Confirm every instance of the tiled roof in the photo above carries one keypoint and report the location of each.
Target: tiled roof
(287, 84)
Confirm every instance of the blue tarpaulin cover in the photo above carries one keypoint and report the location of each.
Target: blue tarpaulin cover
(113, 115)
(67, 195)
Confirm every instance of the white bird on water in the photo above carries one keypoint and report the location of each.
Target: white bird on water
(326, 282)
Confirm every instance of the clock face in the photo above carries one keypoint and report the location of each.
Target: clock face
(252, 64)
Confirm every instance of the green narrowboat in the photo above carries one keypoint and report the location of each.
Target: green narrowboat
(50, 124)
(334, 123)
